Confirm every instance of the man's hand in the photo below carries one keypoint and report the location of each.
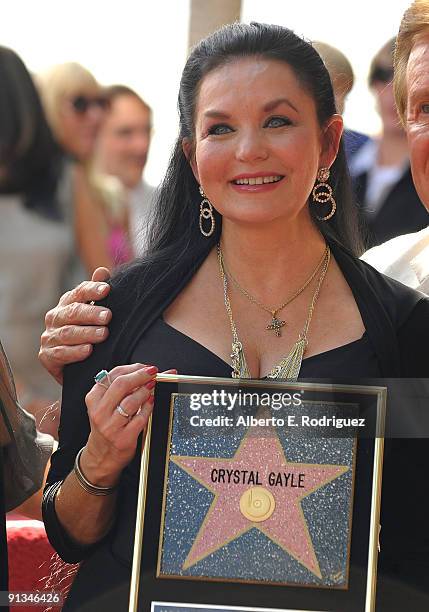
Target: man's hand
(74, 325)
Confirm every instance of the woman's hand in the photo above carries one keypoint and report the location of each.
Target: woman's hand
(110, 447)
(113, 439)
(74, 325)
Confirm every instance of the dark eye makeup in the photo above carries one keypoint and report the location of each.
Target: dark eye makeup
(277, 121)
(219, 129)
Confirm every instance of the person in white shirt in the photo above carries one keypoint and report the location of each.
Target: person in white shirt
(406, 258)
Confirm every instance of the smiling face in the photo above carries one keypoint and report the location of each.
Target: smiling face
(258, 143)
(124, 139)
(417, 116)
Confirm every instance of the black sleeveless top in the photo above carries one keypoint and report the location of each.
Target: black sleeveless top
(167, 347)
(395, 344)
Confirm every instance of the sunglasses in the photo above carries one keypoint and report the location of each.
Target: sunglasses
(81, 104)
(381, 75)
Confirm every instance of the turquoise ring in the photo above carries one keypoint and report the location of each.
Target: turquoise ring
(101, 376)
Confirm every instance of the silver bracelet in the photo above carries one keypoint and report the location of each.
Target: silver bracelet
(84, 482)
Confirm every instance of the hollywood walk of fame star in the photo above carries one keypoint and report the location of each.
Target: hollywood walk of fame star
(286, 525)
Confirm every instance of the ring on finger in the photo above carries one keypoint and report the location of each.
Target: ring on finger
(100, 379)
(122, 412)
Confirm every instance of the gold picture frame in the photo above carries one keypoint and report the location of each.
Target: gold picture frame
(377, 397)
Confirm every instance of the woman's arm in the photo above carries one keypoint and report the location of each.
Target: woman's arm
(91, 226)
(91, 525)
(74, 431)
(86, 517)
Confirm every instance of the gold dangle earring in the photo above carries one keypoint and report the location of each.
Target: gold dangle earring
(206, 212)
(322, 193)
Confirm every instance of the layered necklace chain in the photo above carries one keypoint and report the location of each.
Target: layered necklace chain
(289, 367)
(276, 324)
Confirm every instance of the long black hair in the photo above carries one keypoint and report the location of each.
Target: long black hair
(174, 230)
(30, 161)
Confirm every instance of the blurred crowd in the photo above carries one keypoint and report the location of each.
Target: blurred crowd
(73, 196)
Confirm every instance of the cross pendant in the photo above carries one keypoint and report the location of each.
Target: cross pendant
(276, 326)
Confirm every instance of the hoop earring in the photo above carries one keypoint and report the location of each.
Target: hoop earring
(206, 212)
(322, 193)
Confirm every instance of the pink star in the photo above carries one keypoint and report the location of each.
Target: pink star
(286, 526)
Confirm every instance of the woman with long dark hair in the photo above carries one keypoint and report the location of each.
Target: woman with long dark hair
(36, 243)
(252, 271)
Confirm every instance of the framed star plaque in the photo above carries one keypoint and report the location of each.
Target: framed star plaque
(259, 496)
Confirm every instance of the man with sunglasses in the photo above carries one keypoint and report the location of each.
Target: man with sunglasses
(406, 257)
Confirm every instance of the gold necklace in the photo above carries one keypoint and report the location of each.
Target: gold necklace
(289, 367)
(276, 323)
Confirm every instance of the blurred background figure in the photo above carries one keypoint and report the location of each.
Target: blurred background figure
(122, 151)
(76, 106)
(342, 77)
(36, 241)
(381, 169)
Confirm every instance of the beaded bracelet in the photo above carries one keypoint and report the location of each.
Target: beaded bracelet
(85, 484)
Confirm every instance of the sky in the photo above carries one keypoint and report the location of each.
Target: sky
(143, 44)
